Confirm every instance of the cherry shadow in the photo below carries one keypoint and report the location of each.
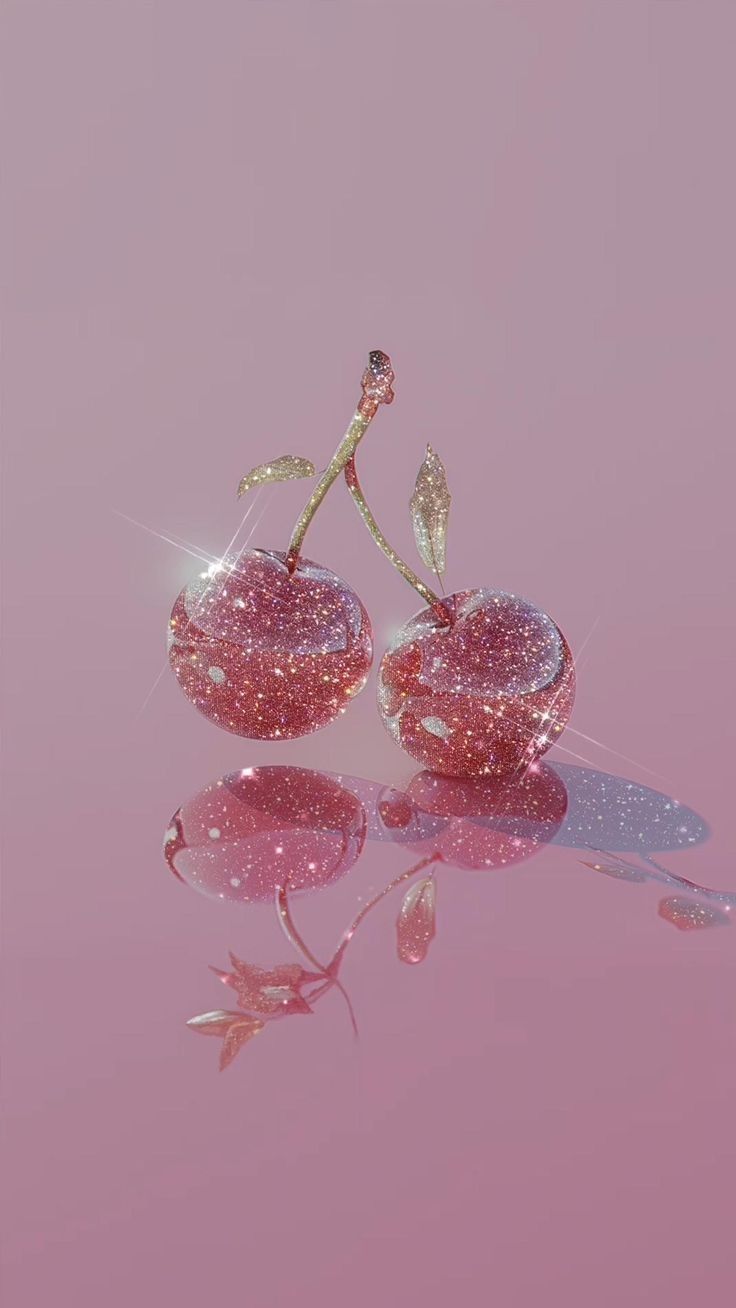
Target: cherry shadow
(622, 816)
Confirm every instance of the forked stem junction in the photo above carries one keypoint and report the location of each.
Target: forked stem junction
(376, 390)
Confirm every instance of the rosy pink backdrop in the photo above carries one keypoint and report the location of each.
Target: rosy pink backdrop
(531, 207)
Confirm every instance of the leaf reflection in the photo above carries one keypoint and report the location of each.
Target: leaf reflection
(416, 923)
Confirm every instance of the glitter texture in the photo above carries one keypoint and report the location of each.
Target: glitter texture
(612, 813)
(287, 467)
(376, 383)
(488, 823)
(353, 484)
(416, 923)
(276, 826)
(483, 694)
(267, 652)
(268, 990)
(430, 509)
(689, 915)
(376, 389)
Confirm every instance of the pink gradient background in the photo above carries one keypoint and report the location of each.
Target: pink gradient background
(213, 209)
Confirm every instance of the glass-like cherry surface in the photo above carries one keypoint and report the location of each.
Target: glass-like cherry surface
(252, 831)
(491, 823)
(266, 652)
(484, 694)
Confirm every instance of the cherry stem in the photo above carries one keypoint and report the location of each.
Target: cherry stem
(376, 388)
(337, 957)
(433, 600)
(297, 941)
(726, 897)
(330, 973)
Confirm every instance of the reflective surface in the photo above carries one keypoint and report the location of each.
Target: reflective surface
(259, 828)
(215, 212)
(272, 824)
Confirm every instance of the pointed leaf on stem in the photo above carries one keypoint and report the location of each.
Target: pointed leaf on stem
(430, 508)
(288, 467)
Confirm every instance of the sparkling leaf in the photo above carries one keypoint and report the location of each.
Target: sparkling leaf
(430, 507)
(288, 467)
(415, 925)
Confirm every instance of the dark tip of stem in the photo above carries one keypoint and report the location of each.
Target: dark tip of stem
(376, 384)
(379, 363)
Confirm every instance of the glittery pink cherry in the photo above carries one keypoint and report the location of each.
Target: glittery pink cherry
(480, 683)
(482, 694)
(268, 653)
(268, 644)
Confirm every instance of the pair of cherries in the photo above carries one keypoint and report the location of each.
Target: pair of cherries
(271, 646)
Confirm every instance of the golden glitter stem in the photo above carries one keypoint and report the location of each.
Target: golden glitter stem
(428, 595)
(376, 385)
(376, 390)
(345, 450)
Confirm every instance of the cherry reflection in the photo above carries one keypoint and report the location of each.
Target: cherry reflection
(266, 834)
(477, 825)
(260, 828)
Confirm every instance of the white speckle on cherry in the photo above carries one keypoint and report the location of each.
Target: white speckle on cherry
(437, 727)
